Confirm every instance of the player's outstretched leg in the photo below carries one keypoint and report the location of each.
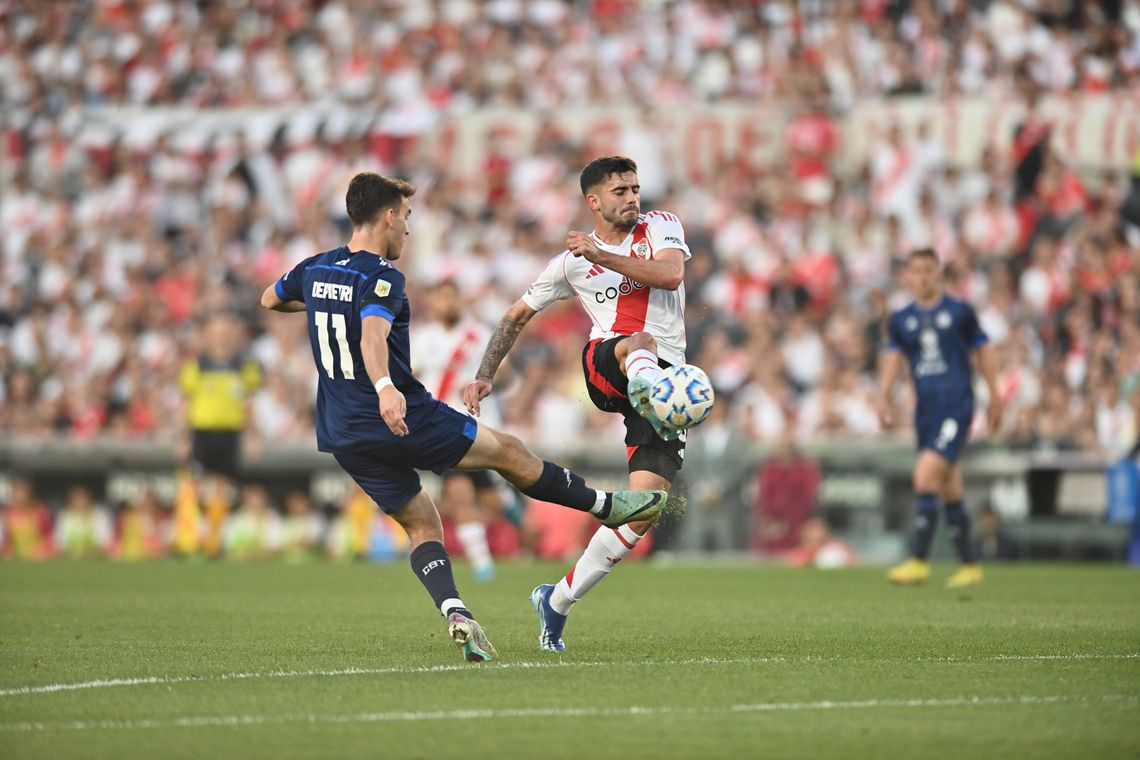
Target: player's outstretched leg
(607, 547)
(432, 565)
(547, 481)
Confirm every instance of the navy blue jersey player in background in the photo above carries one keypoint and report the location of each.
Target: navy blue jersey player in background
(938, 336)
(379, 421)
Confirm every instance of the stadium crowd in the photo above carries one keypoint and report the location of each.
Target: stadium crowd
(115, 252)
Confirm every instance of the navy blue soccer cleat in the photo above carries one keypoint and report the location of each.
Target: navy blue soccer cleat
(550, 623)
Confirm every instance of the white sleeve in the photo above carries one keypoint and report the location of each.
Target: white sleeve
(550, 286)
(665, 231)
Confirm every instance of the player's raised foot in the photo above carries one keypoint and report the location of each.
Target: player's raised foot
(634, 506)
(638, 390)
(910, 573)
(471, 639)
(550, 623)
(967, 575)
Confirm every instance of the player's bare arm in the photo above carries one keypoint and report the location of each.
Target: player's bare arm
(271, 301)
(666, 270)
(890, 367)
(497, 349)
(374, 348)
(987, 366)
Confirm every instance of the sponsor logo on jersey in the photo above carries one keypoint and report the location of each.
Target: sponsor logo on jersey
(333, 291)
(624, 288)
(595, 270)
(341, 263)
(910, 324)
(943, 319)
(383, 288)
(674, 240)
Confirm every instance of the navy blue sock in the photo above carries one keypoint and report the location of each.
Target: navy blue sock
(432, 565)
(959, 521)
(925, 523)
(559, 485)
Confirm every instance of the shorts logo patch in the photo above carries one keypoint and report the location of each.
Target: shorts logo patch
(383, 288)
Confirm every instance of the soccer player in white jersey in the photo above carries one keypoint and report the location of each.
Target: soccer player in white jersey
(628, 274)
(445, 352)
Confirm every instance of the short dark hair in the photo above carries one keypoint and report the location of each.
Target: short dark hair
(597, 170)
(369, 194)
(923, 253)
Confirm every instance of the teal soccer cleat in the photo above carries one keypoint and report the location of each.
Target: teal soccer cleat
(634, 506)
(638, 391)
(471, 639)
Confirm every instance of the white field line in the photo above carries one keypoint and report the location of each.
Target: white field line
(145, 680)
(550, 712)
(107, 683)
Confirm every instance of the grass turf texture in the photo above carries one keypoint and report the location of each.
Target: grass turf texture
(725, 661)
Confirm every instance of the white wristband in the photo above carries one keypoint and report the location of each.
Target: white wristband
(383, 383)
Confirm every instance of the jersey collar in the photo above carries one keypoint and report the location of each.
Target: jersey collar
(627, 239)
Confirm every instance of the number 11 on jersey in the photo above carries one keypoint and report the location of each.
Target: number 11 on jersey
(340, 329)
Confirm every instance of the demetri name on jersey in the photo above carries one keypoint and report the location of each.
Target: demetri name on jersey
(618, 305)
(333, 290)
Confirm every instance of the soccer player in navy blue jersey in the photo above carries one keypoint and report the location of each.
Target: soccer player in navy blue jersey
(380, 423)
(938, 336)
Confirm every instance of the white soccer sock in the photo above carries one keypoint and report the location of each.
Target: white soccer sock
(473, 537)
(451, 604)
(642, 363)
(599, 503)
(607, 547)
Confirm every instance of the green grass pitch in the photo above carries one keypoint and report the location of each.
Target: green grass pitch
(281, 661)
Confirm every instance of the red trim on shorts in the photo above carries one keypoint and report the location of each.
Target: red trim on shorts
(621, 538)
(596, 378)
(629, 452)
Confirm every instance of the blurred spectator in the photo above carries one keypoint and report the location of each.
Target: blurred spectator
(552, 532)
(789, 483)
(302, 529)
(991, 541)
(717, 464)
(362, 531)
(254, 531)
(818, 548)
(143, 530)
(121, 233)
(83, 530)
(27, 525)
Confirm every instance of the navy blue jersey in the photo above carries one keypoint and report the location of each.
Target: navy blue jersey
(938, 342)
(339, 290)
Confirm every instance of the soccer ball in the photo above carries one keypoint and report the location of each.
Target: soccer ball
(682, 396)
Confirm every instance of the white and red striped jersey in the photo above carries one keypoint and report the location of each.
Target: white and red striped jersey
(616, 304)
(445, 358)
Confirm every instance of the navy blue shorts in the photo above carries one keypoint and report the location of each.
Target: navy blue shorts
(388, 473)
(943, 431)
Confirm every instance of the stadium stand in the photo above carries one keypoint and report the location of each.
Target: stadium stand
(164, 161)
